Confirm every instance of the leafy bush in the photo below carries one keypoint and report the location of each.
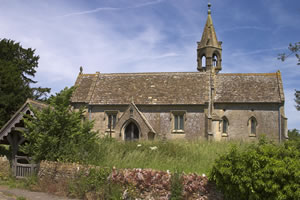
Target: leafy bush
(176, 186)
(58, 132)
(262, 171)
(95, 184)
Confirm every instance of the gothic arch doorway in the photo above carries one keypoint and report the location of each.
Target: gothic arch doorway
(131, 132)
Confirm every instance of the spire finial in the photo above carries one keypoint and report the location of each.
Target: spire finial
(209, 6)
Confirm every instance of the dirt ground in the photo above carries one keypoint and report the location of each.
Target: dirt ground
(7, 193)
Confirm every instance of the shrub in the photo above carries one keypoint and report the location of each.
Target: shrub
(262, 171)
(176, 186)
(58, 132)
(95, 185)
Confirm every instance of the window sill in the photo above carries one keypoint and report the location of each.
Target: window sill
(224, 135)
(178, 131)
(252, 135)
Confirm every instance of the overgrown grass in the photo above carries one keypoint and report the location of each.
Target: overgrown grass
(186, 156)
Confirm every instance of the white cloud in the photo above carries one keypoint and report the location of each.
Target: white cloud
(111, 9)
(133, 40)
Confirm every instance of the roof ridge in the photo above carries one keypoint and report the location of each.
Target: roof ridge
(248, 74)
(150, 73)
(143, 117)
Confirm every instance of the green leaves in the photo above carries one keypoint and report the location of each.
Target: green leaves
(17, 68)
(262, 171)
(58, 133)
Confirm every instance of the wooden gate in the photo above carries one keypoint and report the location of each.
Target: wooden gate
(23, 169)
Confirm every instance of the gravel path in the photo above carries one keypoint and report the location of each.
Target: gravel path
(7, 193)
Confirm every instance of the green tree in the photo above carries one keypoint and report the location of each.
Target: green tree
(17, 68)
(294, 49)
(294, 134)
(260, 171)
(58, 132)
(297, 99)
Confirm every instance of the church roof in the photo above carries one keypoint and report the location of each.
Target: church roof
(249, 88)
(176, 88)
(142, 88)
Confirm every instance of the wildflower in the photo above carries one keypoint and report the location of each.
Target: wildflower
(203, 175)
(153, 148)
(139, 145)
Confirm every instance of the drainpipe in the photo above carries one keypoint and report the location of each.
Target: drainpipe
(90, 112)
(279, 121)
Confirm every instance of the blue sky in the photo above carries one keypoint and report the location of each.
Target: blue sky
(112, 36)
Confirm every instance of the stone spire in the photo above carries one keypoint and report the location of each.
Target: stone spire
(209, 47)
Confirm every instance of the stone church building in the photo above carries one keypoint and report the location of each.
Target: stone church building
(204, 104)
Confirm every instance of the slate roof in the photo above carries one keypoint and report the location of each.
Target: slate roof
(249, 88)
(169, 88)
(143, 88)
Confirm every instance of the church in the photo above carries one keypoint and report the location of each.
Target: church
(205, 104)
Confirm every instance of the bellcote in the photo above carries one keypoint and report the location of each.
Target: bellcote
(209, 51)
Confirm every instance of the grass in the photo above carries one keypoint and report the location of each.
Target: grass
(181, 155)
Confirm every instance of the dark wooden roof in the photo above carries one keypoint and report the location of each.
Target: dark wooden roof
(18, 116)
(176, 88)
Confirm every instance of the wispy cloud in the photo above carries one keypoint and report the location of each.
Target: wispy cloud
(256, 51)
(111, 9)
(244, 28)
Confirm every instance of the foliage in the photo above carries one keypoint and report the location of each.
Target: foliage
(294, 134)
(58, 132)
(294, 49)
(95, 184)
(17, 68)
(297, 99)
(176, 186)
(262, 171)
(5, 150)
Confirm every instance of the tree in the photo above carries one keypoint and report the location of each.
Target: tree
(17, 68)
(58, 132)
(297, 99)
(294, 134)
(294, 49)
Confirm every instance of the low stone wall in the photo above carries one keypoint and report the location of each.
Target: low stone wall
(60, 171)
(4, 166)
(150, 184)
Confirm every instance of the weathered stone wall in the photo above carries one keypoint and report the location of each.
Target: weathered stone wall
(4, 166)
(159, 117)
(238, 116)
(150, 184)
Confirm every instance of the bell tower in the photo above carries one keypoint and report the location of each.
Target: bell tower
(209, 51)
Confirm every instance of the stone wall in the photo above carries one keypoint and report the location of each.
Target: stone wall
(238, 116)
(161, 120)
(4, 166)
(150, 184)
(158, 116)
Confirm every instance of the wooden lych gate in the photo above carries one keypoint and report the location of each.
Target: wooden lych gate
(11, 134)
(21, 169)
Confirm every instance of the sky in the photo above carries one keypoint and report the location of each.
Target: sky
(117, 36)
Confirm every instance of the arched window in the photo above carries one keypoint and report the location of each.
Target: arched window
(225, 125)
(215, 60)
(203, 61)
(252, 123)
